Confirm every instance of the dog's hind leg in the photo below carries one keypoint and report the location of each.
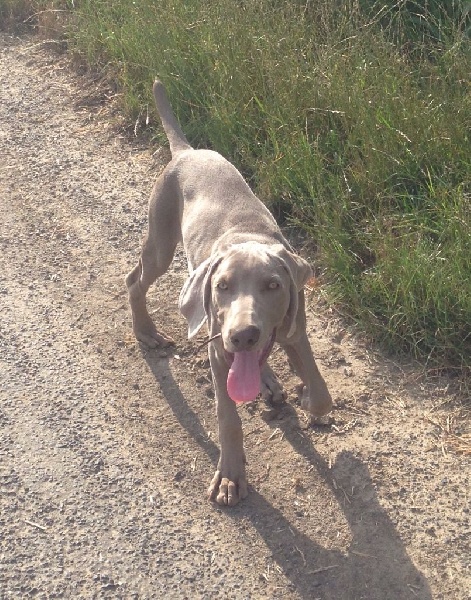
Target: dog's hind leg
(157, 254)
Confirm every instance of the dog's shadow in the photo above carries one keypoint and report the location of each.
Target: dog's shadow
(376, 566)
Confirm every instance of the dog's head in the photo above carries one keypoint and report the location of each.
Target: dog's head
(247, 293)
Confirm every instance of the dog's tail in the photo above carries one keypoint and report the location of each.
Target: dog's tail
(176, 137)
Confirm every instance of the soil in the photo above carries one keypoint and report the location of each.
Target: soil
(106, 448)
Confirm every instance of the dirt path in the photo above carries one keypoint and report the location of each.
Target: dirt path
(106, 449)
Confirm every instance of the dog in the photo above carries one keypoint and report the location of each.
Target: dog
(245, 282)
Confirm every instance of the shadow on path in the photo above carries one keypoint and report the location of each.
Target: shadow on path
(376, 566)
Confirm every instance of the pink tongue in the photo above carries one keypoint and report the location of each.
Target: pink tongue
(243, 381)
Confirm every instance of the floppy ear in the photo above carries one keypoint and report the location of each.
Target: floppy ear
(195, 295)
(299, 271)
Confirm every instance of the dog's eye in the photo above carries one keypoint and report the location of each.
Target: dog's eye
(273, 285)
(221, 285)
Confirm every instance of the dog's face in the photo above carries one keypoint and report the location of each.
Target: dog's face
(250, 293)
(246, 293)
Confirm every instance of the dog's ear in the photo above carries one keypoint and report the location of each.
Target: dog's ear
(299, 271)
(196, 294)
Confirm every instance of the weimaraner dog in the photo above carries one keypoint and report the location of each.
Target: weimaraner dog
(244, 281)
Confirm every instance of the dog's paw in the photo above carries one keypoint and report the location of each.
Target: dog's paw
(228, 486)
(317, 403)
(149, 336)
(157, 340)
(270, 388)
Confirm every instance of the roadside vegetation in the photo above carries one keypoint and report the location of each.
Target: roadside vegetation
(350, 119)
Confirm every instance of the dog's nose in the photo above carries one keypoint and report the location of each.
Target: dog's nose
(246, 338)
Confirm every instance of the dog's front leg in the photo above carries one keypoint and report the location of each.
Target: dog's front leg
(316, 398)
(229, 484)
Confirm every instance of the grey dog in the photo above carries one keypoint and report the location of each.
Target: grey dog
(244, 281)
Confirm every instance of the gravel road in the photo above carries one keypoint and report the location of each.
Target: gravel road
(106, 449)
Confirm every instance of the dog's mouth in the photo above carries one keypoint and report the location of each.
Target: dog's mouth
(243, 380)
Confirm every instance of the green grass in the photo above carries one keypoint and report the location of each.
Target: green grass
(351, 119)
